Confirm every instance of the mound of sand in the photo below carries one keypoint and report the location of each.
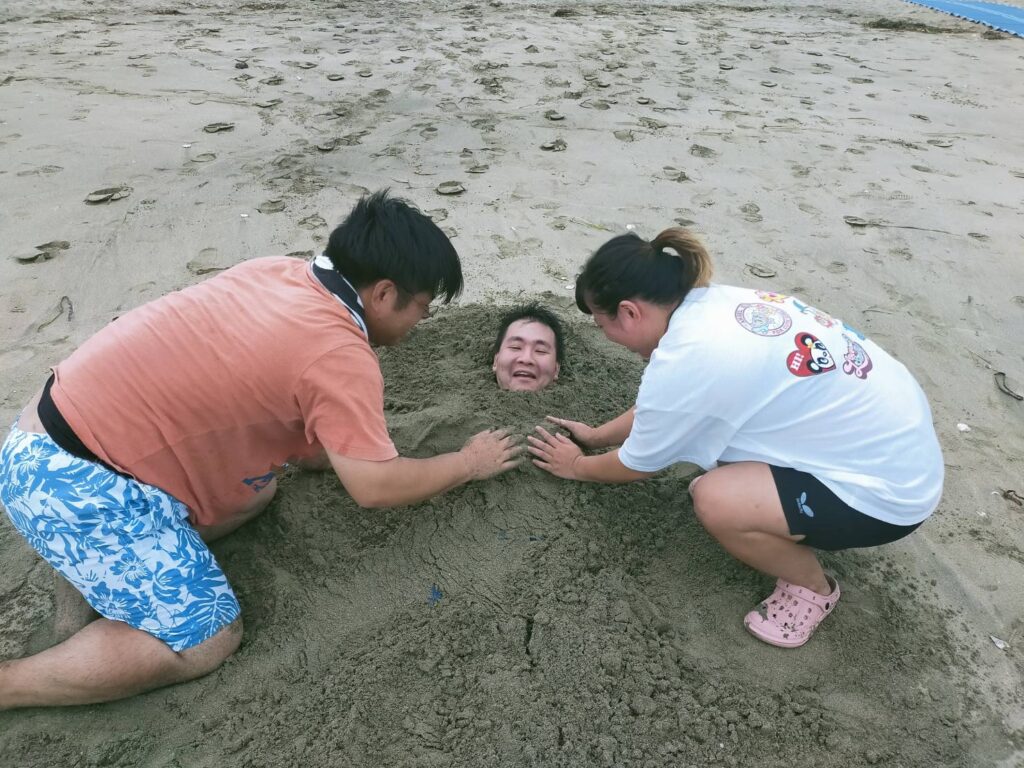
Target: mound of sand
(524, 620)
(863, 155)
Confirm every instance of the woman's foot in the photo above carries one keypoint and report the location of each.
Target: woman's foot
(788, 617)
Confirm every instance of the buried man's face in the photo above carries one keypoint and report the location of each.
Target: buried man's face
(526, 360)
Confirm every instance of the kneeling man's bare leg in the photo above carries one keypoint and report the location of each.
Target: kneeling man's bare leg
(71, 611)
(108, 660)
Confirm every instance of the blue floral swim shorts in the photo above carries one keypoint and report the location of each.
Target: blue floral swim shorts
(126, 546)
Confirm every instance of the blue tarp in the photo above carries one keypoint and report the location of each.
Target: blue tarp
(1005, 18)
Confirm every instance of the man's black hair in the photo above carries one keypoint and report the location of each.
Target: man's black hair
(386, 238)
(536, 313)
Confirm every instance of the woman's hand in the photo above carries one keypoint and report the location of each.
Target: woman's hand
(556, 454)
(583, 435)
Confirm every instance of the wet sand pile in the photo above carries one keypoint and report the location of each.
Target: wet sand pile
(864, 156)
(524, 620)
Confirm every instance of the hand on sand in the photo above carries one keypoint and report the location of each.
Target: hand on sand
(584, 436)
(556, 454)
(490, 453)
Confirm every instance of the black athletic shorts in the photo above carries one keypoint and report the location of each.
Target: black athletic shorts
(827, 522)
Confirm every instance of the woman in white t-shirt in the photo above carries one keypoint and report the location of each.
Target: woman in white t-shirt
(812, 436)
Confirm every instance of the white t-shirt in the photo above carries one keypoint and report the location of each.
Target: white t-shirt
(744, 375)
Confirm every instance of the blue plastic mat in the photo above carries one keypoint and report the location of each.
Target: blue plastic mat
(1005, 18)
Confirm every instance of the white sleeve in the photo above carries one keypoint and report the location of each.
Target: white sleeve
(662, 438)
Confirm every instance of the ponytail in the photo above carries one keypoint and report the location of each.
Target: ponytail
(662, 271)
(687, 247)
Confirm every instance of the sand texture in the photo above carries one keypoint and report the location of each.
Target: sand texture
(866, 156)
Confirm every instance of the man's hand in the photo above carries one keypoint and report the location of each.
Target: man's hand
(490, 453)
(556, 454)
(583, 435)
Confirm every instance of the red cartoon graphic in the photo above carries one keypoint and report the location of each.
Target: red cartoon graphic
(856, 360)
(810, 357)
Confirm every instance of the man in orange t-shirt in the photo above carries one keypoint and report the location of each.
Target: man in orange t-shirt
(162, 432)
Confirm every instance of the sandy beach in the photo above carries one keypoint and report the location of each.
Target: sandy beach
(865, 156)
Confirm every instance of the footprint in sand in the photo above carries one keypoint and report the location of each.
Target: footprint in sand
(107, 195)
(219, 127)
(558, 145)
(514, 248)
(674, 174)
(450, 188)
(275, 205)
(698, 150)
(273, 80)
(43, 252)
(315, 221)
(209, 260)
(352, 139)
(752, 212)
(41, 170)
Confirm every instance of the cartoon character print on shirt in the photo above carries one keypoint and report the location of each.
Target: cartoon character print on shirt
(826, 320)
(811, 357)
(822, 319)
(763, 319)
(856, 361)
(771, 296)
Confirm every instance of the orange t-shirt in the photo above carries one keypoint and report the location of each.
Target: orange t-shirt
(204, 391)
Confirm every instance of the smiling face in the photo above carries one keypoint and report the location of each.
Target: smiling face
(526, 360)
(390, 313)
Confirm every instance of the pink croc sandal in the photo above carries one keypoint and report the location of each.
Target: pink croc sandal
(789, 615)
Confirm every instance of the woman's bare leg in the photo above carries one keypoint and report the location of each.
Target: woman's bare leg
(739, 505)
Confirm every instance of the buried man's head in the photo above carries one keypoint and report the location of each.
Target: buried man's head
(527, 353)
